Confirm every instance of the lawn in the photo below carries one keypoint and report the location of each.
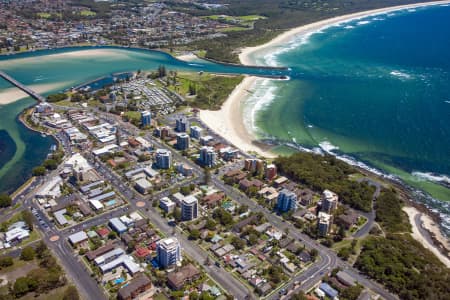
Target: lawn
(160, 297)
(233, 28)
(88, 13)
(132, 115)
(43, 15)
(211, 90)
(56, 294)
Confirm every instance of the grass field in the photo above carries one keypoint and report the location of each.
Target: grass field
(56, 294)
(44, 15)
(211, 90)
(240, 22)
(88, 13)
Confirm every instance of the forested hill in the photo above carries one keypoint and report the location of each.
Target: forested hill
(319, 172)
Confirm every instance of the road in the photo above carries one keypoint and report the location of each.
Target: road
(73, 267)
(370, 216)
(327, 260)
(225, 279)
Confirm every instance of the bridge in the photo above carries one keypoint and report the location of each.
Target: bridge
(23, 87)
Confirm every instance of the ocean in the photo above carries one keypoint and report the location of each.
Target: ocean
(374, 91)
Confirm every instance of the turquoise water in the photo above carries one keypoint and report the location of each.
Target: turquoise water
(22, 149)
(376, 89)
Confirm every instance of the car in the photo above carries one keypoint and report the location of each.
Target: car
(217, 263)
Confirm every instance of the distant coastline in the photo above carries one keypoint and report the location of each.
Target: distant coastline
(229, 120)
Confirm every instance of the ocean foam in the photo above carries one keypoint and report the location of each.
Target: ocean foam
(363, 22)
(432, 177)
(328, 147)
(263, 94)
(400, 74)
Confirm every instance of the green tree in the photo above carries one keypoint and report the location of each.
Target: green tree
(112, 235)
(313, 253)
(162, 71)
(27, 254)
(6, 261)
(5, 200)
(192, 89)
(210, 224)
(27, 217)
(41, 250)
(71, 293)
(185, 190)
(50, 164)
(39, 171)
(344, 253)
(194, 234)
(351, 293)
(238, 243)
(252, 239)
(23, 285)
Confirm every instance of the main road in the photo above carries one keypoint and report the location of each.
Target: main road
(327, 258)
(224, 279)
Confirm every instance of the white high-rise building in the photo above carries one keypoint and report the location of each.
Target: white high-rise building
(324, 222)
(169, 252)
(189, 208)
(329, 201)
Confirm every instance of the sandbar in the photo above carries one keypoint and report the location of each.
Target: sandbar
(13, 94)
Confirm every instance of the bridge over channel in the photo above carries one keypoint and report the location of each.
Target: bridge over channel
(23, 87)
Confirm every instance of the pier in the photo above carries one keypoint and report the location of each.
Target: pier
(23, 87)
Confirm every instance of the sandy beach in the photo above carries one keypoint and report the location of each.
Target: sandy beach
(228, 121)
(244, 56)
(428, 224)
(187, 57)
(10, 95)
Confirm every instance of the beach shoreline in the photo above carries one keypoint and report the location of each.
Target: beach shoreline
(287, 36)
(187, 57)
(229, 120)
(420, 221)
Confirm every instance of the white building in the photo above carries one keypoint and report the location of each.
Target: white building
(329, 201)
(169, 252)
(189, 208)
(167, 205)
(324, 223)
